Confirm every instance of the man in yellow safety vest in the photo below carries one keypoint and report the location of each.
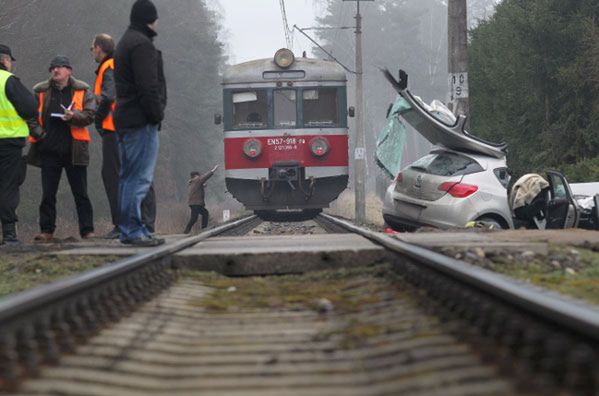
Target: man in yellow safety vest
(17, 105)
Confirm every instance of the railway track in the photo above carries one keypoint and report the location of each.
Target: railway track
(408, 322)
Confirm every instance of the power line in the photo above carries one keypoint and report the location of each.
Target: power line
(323, 50)
(285, 25)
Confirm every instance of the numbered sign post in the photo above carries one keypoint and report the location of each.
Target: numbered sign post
(360, 153)
(458, 86)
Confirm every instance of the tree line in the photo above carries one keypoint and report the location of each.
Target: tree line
(534, 82)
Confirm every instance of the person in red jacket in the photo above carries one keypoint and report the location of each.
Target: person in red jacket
(196, 200)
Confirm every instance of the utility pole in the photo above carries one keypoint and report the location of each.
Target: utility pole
(360, 142)
(457, 24)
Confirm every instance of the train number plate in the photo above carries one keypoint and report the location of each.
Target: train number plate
(285, 143)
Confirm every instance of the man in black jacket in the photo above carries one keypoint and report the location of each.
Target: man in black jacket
(141, 98)
(17, 104)
(104, 88)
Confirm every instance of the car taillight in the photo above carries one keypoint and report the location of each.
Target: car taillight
(252, 148)
(458, 190)
(399, 178)
(319, 146)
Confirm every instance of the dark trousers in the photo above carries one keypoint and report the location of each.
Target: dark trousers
(195, 211)
(110, 177)
(52, 166)
(12, 174)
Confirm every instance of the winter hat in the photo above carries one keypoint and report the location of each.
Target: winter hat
(58, 61)
(4, 49)
(143, 12)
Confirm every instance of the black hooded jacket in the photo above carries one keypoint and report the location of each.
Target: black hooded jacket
(139, 78)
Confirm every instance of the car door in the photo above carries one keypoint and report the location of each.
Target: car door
(562, 209)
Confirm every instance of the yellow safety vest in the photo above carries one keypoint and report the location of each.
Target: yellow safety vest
(11, 123)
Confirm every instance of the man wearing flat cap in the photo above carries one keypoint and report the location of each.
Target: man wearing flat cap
(17, 105)
(140, 103)
(67, 108)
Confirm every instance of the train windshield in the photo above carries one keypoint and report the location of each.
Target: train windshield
(321, 108)
(250, 109)
(285, 108)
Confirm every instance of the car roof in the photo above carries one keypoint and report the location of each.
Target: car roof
(437, 132)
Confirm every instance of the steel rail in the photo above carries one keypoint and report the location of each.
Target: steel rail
(41, 296)
(571, 314)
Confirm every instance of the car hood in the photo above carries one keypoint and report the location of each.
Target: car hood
(439, 127)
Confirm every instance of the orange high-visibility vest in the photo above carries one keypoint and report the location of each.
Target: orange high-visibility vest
(108, 122)
(77, 133)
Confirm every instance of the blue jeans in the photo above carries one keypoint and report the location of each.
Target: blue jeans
(138, 153)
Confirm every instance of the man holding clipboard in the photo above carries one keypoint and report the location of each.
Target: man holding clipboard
(66, 107)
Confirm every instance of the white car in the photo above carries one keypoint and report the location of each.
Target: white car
(446, 189)
(462, 179)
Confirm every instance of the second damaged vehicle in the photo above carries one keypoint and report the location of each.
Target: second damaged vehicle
(462, 179)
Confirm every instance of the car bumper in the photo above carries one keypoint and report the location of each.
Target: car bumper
(446, 212)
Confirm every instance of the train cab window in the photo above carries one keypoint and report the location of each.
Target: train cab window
(250, 109)
(285, 108)
(321, 108)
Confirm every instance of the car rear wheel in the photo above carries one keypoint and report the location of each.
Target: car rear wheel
(491, 222)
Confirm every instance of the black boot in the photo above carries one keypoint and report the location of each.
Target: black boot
(9, 234)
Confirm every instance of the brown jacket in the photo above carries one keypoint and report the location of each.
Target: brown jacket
(196, 189)
(80, 119)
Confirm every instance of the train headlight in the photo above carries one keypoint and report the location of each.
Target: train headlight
(252, 148)
(319, 146)
(284, 58)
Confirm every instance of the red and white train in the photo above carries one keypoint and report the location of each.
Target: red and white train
(285, 133)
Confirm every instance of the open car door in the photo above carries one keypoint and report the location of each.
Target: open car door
(562, 209)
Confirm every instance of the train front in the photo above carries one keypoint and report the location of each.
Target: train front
(285, 132)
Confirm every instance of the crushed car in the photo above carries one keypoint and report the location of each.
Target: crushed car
(462, 178)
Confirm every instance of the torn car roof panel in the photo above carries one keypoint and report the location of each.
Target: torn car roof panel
(435, 130)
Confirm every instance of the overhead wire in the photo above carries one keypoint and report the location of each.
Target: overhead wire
(288, 38)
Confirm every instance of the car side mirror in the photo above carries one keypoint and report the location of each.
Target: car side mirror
(351, 111)
(218, 119)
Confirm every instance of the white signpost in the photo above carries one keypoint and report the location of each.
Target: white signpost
(226, 215)
(359, 153)
(458, 86)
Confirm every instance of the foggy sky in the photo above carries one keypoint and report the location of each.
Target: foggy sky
(254, 28)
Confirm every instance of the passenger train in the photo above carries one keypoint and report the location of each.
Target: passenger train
(285, 133)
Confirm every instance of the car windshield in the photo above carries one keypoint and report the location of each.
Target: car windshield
(250, 109)
(447, 164)
(398, 143)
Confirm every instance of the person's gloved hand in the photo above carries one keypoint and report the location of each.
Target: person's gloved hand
(37, 133)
